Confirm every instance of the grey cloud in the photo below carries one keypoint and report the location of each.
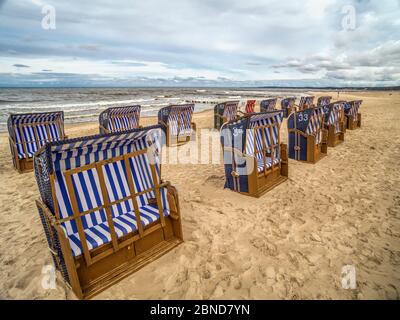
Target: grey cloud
(18, 65)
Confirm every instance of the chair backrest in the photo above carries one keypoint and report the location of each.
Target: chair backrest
(351, 108)
(119, 119)
(255, 135)
(306, 102)
(334, 114)
(250, 106)
(309, 121)
(177, 118)
(99, 174)
(288, 103)
(323, 101)
(30, 131)
(268, 104)
(227, 110)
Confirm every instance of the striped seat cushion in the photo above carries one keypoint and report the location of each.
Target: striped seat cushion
(268, 163)
(123, 224)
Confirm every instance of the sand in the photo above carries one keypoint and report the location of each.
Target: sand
(289, 244)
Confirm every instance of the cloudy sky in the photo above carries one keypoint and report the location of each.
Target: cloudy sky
(199, 43)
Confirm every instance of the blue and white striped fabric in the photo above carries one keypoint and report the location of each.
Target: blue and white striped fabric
(230, 111)
(315, 124)
(352, 109)
(88, 192)
(268, 104)
(35, 130)
(123, 118)
(334, 115)
(179, 120)
(306, 102)
(262, 136)
(324, 101)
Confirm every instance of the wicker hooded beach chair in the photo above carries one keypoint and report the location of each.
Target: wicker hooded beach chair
(225, 112)
(288, 105)
(323, 101)
(28, 132)
(334, 121)
(255, 159)
(119, 119)
(105, 210)
(351, 110)
(307, 136)
(176, 121)
(306, 103)
(268, 105)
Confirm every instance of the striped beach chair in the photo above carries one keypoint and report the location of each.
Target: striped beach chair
(28, 133)
(288, 105)
(105, 210)
(323, 101)
(119, 119)
(225, 112)
(334, 122)
(255, 160)
(305, 103)
(268, 105)
(307, 136)
(250, 106)
(353, 115)
(176, 121)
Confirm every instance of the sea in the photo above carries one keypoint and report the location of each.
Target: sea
(85, 104)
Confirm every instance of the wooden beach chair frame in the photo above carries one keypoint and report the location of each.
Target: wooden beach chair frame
(118, 119)
(288, 105)
(323, 101)
(28, 132)
(334, 121)
(177, 111)
(86, 268)
(307, 137)
(268, 104)
(225, 112)
(246, 169)
(353, 116)
(306, 102)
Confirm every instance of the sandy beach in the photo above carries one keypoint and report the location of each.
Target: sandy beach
(290, 243)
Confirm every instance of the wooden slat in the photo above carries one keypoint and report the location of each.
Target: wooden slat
(75, 209)
(133, 194)
(107, 206)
